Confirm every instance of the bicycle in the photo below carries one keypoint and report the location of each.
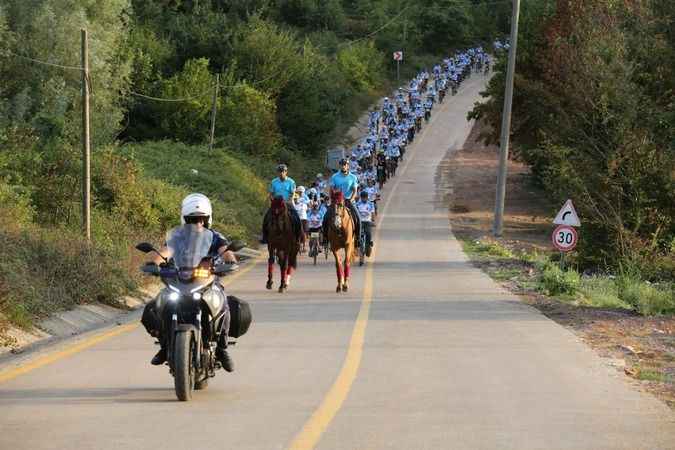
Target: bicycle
(362, 247)
(314, 240)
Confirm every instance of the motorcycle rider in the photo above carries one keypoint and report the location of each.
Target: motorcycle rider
(196, 211)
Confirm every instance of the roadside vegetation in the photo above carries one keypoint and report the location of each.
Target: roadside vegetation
(624, 318)
(293, 76)
(544, 273)
(594, 119)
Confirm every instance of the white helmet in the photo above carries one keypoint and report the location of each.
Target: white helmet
(196, 205)
(301, 189)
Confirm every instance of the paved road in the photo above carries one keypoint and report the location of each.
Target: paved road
(425, 352)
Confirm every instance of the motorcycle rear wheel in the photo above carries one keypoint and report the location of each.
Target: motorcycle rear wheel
(184, 370)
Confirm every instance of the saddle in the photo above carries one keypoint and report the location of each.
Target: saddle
(279, 206)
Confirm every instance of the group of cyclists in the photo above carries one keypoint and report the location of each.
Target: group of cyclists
(375, 158)
(361, 176)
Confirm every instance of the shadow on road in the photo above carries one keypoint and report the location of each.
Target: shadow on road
(88, 395)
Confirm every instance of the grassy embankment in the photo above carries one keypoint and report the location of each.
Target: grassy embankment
(541, 273)
(137, 193)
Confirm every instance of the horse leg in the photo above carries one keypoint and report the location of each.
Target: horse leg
(289, 272)
(283, 264)
(338, 270)
(270, 271)
(345, 282)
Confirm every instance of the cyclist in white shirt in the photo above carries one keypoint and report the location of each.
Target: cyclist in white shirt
(314, 221)
(366, 210)
(301, 207)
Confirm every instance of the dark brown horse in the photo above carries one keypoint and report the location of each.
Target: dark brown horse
(341, 236)
(282, 244)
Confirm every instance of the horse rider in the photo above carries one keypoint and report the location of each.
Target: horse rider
(348, 184)
(196, 211)
(282, 186)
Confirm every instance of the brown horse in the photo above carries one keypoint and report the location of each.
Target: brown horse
(282, 244)
(341, 236)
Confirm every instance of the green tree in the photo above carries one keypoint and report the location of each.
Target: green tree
(188, 119)
(586, 120)
(249, 121)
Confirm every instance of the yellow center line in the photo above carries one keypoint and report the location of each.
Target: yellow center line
(332, 402)
(43, 360)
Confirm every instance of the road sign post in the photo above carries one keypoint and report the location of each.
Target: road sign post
(567, 215)
(565, 237)
(398, 57)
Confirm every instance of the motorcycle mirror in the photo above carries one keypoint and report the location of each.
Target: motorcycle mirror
(236, 245)
(151, 269)
(145, 247)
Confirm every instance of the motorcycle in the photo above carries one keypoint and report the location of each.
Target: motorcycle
(191, 307)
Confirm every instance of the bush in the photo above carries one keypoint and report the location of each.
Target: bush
(249, 121)
(646, 298)
(237, 193)
(188, 120)
(47, 270)
(602, 292)
(362, 65)
(560, 282)
(15, 206)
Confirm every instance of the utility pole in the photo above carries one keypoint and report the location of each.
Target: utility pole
(506, 124)
(86, 149)
(213, 112)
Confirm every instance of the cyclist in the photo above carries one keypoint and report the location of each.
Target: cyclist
(366, 210)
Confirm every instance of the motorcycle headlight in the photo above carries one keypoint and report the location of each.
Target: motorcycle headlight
(173, 296)
(202, 273)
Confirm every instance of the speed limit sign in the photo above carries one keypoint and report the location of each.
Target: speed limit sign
(565, 238)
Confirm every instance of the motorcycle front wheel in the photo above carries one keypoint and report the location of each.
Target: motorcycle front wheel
(184, 370)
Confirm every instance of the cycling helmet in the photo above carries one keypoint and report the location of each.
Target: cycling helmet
(196, 205)
(344, 161)
(300, 189)
(282, 168)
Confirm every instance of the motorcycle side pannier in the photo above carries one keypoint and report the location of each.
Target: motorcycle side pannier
(240, 316)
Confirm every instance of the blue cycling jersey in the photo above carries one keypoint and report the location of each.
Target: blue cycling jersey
(284, 188)
(348, 183)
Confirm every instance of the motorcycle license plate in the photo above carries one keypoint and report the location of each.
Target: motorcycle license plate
(314, 235)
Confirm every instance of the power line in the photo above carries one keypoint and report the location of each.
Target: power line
(208, 91)
(46, 63)
(368, 36)
(171, 100)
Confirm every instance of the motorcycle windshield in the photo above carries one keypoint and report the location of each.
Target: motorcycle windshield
(189, 244)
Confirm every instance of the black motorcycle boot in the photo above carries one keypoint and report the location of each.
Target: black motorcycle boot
(159, 358)
(224, 359)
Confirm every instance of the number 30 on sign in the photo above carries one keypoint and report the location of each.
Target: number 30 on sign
(565, 238)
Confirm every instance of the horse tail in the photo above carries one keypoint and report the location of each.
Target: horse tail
(293, 258)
